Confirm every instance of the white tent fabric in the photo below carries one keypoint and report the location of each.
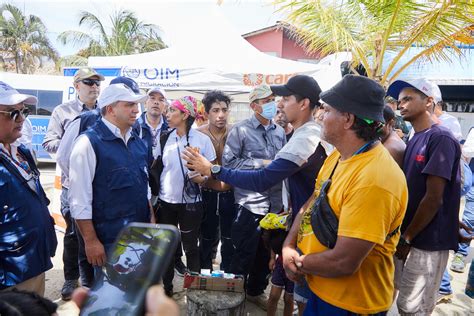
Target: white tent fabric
(210, 54)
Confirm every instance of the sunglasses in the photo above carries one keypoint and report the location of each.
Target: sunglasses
(91, 82)
(15, 113)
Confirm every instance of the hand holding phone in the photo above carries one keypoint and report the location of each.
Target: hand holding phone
(136, 261)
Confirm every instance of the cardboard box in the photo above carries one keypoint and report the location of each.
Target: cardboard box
(200, 282)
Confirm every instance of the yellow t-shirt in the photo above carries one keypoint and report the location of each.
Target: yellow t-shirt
(369, 195)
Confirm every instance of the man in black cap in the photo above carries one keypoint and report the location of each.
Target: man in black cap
(348, 255)
(299, 160)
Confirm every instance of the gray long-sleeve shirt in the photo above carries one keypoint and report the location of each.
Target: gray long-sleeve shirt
(62, 115)
(247, 145)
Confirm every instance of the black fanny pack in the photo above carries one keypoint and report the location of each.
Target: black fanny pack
(323, 219)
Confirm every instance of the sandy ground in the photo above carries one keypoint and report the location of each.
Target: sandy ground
(461, 304)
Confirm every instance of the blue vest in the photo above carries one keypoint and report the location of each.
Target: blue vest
(27, 236)
(146, 136)
(119, 188)
(88, 119)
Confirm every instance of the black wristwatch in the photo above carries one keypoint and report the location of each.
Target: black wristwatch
(215, 171)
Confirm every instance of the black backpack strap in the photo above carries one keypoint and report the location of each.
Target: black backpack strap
(164, 138)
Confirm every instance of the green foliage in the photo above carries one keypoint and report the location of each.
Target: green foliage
(23, 40)
(371, 29)
(127, 36)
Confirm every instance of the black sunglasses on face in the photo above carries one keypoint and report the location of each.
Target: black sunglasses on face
(91, 82)
(15, 113)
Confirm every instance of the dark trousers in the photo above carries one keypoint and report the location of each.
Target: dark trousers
(189, 220)
(251, 257)
(219, 214)
(74, 258)
(179, 248)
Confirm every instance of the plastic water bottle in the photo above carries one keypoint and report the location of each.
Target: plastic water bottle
(470, 282)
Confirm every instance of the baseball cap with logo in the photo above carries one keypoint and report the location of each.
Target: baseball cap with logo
(157, 90)
(129, 82)
(119, 92)
(85, 73)
(10, 96)
(260, 92)
(302, 85)
(428, 88)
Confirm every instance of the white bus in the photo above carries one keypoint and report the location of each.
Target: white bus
(50, 91)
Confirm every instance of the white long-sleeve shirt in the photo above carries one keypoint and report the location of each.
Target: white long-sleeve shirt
(82, 164)
(65, 149)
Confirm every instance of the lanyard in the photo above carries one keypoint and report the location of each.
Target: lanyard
(31, 177)
(364, 148)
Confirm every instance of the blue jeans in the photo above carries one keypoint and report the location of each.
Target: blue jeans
(219, 212)
(318, 307)
(463, 248)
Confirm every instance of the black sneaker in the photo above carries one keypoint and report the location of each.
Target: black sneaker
(180, 268)
(68, 287)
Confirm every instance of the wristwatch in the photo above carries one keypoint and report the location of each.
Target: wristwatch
(215, 171)
(403, 242)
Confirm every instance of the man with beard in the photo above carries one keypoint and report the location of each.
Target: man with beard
(108, 174)
(299, 160)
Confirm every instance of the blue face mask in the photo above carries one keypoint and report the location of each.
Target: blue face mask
(269, 110)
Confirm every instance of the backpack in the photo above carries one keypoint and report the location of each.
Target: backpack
(157, 165)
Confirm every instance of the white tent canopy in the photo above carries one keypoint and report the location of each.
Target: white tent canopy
(210, 54)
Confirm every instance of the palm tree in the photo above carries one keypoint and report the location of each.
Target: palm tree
(23, 40)
(373, 30)
(127, 36)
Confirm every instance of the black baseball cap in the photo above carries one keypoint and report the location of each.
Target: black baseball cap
(358, 95)
(302, 85)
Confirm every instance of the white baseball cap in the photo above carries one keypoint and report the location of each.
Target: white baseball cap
(422, 85)
(119, 92)
(157, 89)
(10, 96)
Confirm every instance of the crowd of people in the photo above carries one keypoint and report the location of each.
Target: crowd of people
(347, 200)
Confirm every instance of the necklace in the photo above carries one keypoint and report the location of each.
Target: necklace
(216, 140)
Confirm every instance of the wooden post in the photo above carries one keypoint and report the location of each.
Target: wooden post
(204, 303)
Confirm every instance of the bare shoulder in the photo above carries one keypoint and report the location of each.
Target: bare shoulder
(396, 147)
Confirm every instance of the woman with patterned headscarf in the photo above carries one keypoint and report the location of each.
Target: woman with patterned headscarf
(180, 196)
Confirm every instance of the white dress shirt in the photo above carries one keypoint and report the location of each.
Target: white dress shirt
(172, 181)
(82, 164)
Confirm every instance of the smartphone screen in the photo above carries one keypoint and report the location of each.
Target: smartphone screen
(136, 261)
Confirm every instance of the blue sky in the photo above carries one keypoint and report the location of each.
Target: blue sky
(59, 16)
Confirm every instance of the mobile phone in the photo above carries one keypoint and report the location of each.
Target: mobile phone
(136, 261)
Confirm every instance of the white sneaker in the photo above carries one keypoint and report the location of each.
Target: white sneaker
(458, 265)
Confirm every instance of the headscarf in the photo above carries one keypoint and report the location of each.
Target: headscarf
(189, 105)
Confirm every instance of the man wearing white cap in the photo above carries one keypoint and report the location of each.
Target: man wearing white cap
(108, 173)
(27, 236)
(430, 227)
